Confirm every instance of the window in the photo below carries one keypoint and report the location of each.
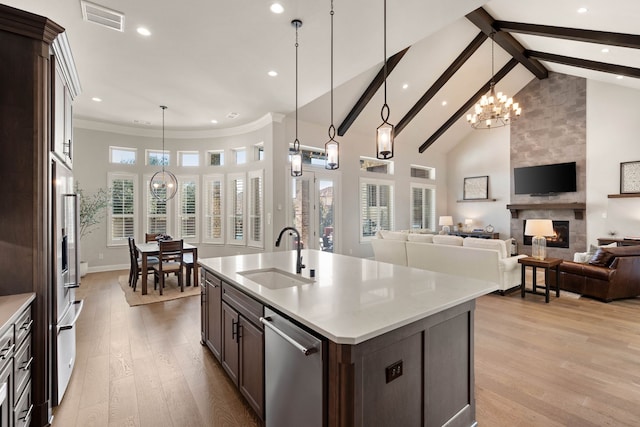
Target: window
(236, 205)
(423, 172)
(374, 165)
(255, 208)
(121, 219)
(376, 207)
(156, 213)
(158, 158)
(213, 209)
(423, 206)
(310, 156)
(240, 156)
(187, 206)
(215, 158)
(259, 151)
(122, 155)
(189, 158)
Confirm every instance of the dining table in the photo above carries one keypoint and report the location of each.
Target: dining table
(152, 249)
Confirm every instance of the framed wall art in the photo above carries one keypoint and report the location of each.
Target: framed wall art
(476, 188)
(630, 177)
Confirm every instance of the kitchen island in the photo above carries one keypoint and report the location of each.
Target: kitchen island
(398, 341)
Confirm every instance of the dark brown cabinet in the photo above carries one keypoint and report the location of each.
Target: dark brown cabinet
(231, 329)
(212, 313)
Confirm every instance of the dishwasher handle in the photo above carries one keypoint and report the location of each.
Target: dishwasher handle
(266, 321)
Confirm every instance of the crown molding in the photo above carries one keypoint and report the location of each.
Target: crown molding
(258, 124)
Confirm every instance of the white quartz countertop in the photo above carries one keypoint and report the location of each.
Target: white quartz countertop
(351, 299)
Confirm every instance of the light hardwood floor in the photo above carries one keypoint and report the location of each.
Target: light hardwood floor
(572, 362)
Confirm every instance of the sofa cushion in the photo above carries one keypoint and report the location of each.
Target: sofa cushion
(586, 270)
(393, 235)
(447, 240)
(422, 231)
(421, 238)
(495, 244)
(602, 258)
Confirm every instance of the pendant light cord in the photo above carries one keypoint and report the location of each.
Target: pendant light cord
(332, 129)
(384, 113)
(296, 143)
(164, 107)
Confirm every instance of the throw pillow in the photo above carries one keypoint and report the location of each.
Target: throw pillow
(448, 240)
(421, 238)
(393, 235)
(602, 258)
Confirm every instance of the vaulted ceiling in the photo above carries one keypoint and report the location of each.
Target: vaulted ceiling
(207, 59)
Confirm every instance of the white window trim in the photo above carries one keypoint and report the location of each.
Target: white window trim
(112, 148)
(111, 176)
(181, 153)
(235, 152)
(230, 214)
(206, 238)
(372, 181)
(256, 151)
(423, 187)
(151, 150)
(250, 208)
(145, 210)
(389, 163)
(432, 171)
(178, 208)
(208, 159)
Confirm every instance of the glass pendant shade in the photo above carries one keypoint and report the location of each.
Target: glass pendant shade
(296, 160)
(163, 185)
(384, 141)
(331, 149)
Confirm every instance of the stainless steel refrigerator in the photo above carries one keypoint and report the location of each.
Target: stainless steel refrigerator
(65, 278)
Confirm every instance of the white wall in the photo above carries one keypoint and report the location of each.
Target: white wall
(483, 152)
(613, 136)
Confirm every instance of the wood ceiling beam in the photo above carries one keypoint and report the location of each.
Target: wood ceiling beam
(589, 36)
(487, 24)
(461, 112)
(369, 92)
(442, 80)
(584, 63)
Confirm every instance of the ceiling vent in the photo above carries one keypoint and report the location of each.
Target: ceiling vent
(102, 16)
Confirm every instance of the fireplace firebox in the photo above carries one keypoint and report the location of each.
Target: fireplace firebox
(559, 240)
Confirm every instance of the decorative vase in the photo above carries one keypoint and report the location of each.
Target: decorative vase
(84, 268)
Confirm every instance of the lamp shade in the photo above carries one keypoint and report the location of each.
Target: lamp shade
(446, 220)
(539, 227)
(468, 221)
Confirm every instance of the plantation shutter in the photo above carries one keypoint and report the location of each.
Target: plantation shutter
(236, 235)
(187, 208)
(121, 222)
(376, 207)
(256, 208)
(156, 211)
(213, 209)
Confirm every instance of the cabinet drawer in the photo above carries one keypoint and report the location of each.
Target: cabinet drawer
(23, 409)
(6, 346)
(210, 279)
(22, 363)
(23, 326)
(251, 309)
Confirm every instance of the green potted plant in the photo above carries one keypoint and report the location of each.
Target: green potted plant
(93, 208)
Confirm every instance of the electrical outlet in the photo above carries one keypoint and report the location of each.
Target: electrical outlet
(393, 371)
(100, 255)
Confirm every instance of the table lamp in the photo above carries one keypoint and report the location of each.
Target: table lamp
(467, 224)
(539, 228)
(445, 222)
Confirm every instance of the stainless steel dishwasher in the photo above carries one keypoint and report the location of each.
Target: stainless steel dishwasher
(293, 374)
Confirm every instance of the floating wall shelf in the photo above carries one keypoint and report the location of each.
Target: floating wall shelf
(477, 200)
(577, 208)
(623, 196)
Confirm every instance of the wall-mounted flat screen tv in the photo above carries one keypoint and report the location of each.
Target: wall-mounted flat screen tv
(545, 179)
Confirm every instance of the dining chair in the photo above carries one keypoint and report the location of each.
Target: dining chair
(151, 237)
(135, 270)
(171, 258)
(187, 262)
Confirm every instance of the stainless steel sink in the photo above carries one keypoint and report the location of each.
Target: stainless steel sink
(274, 278)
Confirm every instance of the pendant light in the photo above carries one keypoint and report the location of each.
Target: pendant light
(332, 148)
(385, 132)
(163, 184)
(296, 157)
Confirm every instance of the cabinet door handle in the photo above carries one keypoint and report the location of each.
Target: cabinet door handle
(28, 414)
(26, 325)
(238, 334)
(7, 352)
(234, 330)
(27, 365)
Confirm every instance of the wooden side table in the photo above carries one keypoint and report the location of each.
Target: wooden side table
(546, 263)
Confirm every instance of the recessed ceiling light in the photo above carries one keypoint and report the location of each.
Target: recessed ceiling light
(444, 103)
(277, 8)
(272, 73)
(96, 99)
(406, 85)
(214, 121)
(582, 10)
(619, 77)
(605, 50)
(143, 31)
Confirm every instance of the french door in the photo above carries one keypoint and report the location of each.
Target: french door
(313, 209)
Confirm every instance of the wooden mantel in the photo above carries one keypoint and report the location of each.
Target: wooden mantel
(577, 208)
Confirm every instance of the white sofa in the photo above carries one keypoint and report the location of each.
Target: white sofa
(486, 259)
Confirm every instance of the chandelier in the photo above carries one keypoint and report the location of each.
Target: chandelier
(385, 133)
(163, 184)
(495, 110)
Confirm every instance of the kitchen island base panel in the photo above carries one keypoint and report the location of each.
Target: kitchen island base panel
(436, 384)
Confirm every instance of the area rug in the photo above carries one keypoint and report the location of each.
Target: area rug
(171, 291)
